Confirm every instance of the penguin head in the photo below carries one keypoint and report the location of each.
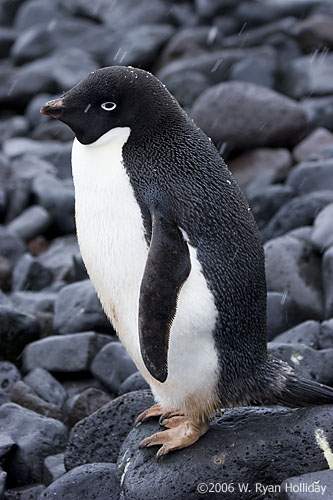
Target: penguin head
(116, 96)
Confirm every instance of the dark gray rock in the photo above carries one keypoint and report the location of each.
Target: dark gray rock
(292, 267)
(319, 112)
(254, 70)
(32, 112)
(36, 437)
(139, 46)
(5, 279)
(58, 198)
(53, 468)
(210, 8)
(23, 395)
(46, 386)
(31, 492)
(325, 339)
(65, 353)
(314, 143)
(298, 212)
(98, 437)
(29, 167)
(265, 203)
(244, 115)
(30, 274)
(78, 309)
(35, 12)
(282, 313)
(76, 386)
(59, 258)
(16, 331)
(84, 404)
(3, 476)
(54, 131)
(314, 33)
(307, 362)
(260, 166)
(327, 274)
(218, 456)
(309, 76)
(7, 38)
(112, 366)
(88, 482)
(16, 126)
(134, 382)
(11, 246)
(34, 302)
(315, 486)
(306, 333)
(322, 236)
(9, 374)
(186, 87)
(311, 176)
(32, 222)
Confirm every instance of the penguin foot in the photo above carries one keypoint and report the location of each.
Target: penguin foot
(182, 432)
(153, 411)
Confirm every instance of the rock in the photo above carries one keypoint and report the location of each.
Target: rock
(76, 386)
(23, 395)
(316, 484)
(306, 333)
(282, 313)
(3, 476)
(307, 362)
(9, 374)
(319, 112)
(210, 8)
(139, 46)
(65, 353)
(298, 212)
(54, 131)
(293, 267)
(254, 70)
(309, 76)
(32, 222)
(218, 456)
(11, 246)
(32, 112)
(313, 143)
(327, 274)
(322, 236)
(91, 481)
(112, 366)
(314, 32)
(5, 275)
(311, 176)
(31, 492)
(272, 164)
(34, 302)
(30, 274)
(264, 204)
(38, 245)
(16, 331)
(134, 382)
(36, 438)
(7, 38)
(15, 126)
(58, 198)
(59, 258)
(36, 12)
(245, 115)
(4, 299)
(46, 386)
(186, 87)
(53, 468)
(84, 404)
(78, 309)
(6, 446)
(98, 437)
(325, 339)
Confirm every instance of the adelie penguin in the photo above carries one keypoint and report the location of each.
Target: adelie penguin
(174, 254)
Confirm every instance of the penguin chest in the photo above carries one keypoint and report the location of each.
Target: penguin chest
(110, 232)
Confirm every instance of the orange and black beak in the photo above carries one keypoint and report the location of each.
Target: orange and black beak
(53, 108)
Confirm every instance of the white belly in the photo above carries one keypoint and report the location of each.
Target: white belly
(111, 238)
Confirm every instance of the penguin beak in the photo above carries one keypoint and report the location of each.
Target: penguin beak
(53, 108)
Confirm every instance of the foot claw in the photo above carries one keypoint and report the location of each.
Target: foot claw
(154, 411)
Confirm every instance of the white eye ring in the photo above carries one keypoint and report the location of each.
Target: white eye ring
(108, 106)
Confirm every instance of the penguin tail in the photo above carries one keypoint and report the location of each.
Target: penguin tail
(302, 392)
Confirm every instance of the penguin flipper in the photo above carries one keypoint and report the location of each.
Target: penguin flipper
(167, 267)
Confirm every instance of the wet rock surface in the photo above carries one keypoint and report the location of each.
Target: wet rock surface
(257, 77)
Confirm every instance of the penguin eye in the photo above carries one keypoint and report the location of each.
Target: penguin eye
(108, 106)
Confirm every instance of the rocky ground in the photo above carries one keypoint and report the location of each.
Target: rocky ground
(257, 76)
